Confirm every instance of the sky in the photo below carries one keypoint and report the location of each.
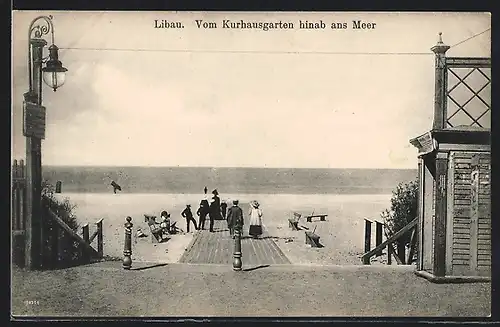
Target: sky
(136, 95)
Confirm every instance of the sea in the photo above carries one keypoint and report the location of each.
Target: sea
(192, 180)
(347, 196)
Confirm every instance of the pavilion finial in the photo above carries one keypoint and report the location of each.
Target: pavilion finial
(440, 38)
(440, 47)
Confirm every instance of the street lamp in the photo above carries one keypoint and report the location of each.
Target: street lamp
(53, 74)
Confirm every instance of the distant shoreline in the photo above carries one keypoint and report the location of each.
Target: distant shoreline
(180, 180)
(228, 167)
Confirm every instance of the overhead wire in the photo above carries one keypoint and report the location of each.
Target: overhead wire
(269, 52)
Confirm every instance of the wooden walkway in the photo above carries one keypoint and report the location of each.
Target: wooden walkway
(218, 247)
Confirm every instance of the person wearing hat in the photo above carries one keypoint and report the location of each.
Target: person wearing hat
(214, 209)
(223, 209)
(255, 220)
(202, 212)
(186, 213)
(234, 218)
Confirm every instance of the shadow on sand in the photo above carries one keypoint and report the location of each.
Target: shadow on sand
(255, 268)
(149, 267)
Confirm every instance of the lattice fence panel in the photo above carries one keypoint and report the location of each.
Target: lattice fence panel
(468, 97)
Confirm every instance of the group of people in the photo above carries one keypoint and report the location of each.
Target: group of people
(235, 219)
(216, 209)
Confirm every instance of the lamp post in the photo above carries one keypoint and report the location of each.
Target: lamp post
(53, 74)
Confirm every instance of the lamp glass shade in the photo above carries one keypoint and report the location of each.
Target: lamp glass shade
(54, 79)
(54, 74)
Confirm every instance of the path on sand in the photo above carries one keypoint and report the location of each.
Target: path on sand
(218, 247)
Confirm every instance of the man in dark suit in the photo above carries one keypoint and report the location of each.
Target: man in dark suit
(189, 217)
(214, 209)
(223, 209)
(202, 213)
(235, 218)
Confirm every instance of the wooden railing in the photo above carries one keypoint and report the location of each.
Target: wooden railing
(98, 233)
(87, 252)
(55, 230)
(400, 253)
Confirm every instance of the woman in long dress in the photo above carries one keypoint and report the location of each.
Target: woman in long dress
(255, 219)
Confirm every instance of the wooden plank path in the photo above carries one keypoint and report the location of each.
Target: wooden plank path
(218, 247)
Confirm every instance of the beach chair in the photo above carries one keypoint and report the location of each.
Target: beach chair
(313, 239)
(157, 233)
(173, 228)
(293, 222)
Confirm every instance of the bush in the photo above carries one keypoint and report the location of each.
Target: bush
(403, 209)
(68, 248)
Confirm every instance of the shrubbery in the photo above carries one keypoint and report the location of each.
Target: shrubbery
(69, 249)
(403, 209)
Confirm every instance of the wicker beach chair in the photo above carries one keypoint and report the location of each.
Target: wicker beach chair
(293, 222)
(157, 232)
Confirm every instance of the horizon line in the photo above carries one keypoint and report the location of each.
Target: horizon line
(229, 167)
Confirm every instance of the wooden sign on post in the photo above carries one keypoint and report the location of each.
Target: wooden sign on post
(33, 120)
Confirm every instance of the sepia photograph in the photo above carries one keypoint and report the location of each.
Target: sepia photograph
(195, 164)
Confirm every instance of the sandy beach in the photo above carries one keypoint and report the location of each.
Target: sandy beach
(342, 234)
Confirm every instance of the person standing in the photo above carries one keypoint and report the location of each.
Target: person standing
(214, 209)
(189, 217)
(234, 218)
(202, 213)
(255, 222)
(223, 209)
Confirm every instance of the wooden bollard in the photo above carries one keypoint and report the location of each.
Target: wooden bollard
(378, 236)
(368, 236)
(237, 263)
(58, 187)
(127, 249)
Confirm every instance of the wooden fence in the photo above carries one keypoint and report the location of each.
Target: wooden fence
(17, 212)
(58, 237)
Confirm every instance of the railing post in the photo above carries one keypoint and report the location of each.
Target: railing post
(54, 246)
(368, 236)
(100, 248)
(401, 251)
(237, 263)
(127, 250)
(378, 236)
(439, 84)
(389, 246)
(85, 233)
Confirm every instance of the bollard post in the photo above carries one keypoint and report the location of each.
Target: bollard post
(368, 236)
(378, 236)
(127, 249)
(237, 249)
